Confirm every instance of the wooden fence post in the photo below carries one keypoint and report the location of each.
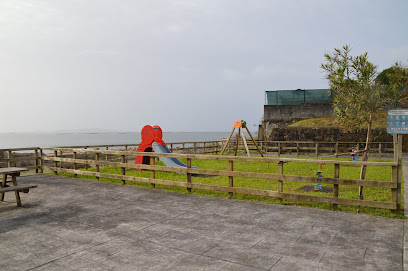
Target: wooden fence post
(280, 172)
(123, 169)
(337, 149)
(399, 174)
(126, 148)
(97, 165)
(379, 150)
(41, 162)
(394, 191)
(86, 158)
(9, 156)
(75, 164)
(336, 186)
(55, 163)
(153, 172)
(394, 137)
(231, 178)
(106, 156)
(317, 149)
(297, 149)
(36, 160)
(279, 148)
(188, 175)
(60, 163)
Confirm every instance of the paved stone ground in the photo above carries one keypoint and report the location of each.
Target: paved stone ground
(72, 224)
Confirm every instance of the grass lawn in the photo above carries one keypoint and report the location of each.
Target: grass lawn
(292, 168)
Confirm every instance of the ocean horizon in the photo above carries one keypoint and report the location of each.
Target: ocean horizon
(67, 138)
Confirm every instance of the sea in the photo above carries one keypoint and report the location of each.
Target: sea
(28, 140)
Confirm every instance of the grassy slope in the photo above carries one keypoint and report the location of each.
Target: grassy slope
(380, 120)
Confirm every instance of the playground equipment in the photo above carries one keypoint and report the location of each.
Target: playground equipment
(354, 153)
(152, 141)
(239, 124)
(168, 161)
(318, 174)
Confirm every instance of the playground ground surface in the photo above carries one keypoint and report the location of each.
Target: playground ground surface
(75, 224)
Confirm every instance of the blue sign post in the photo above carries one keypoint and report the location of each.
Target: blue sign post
(397, 121)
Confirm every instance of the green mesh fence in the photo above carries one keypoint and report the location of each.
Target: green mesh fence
(301, 96)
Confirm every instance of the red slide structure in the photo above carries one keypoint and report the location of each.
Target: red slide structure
(149, 135)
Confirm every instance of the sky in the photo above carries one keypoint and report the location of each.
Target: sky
(185, 65)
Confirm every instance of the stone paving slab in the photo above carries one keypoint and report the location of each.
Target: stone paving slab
(74, 224)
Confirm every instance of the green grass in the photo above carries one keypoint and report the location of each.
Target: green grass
(292, 168)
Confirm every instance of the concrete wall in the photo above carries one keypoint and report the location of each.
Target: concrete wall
(283, 115)
(279, 113)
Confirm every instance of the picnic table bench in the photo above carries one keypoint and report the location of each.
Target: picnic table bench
(4, 188)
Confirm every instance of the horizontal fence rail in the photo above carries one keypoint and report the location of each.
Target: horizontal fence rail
(57, 160)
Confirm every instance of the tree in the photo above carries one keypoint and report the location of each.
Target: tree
(357, 96)
(383, 78)
(395, 82)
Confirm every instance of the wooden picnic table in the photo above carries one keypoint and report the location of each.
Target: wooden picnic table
(4, 187)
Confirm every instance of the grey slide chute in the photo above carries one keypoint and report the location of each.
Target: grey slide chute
(168, 161)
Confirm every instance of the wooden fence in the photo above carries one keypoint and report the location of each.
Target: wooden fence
(394, 185)
(317, 149)
(30, 157)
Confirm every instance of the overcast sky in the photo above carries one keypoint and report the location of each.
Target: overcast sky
(186, 65)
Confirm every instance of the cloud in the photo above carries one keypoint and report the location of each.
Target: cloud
(177, 28)
(397, 53)
(183, 56)
(230, 74)
(256, 73)
(101, 52)
(262, 71)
